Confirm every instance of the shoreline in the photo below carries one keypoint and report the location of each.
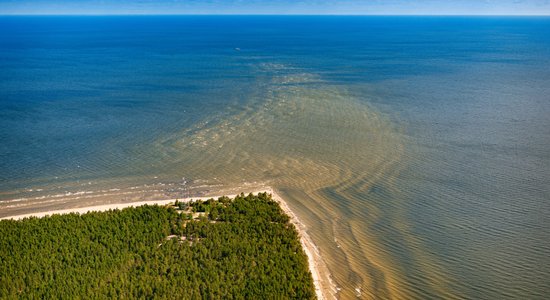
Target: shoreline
(324, 288)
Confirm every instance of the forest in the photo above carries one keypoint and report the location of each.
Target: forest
(241, 248)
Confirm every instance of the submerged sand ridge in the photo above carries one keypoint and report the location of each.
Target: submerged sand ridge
(326, 151)
(335, 157)
(334, 160)
(306, 137)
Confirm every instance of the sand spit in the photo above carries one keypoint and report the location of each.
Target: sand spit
(324, 288)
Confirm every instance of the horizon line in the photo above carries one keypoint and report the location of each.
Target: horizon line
(280, 14)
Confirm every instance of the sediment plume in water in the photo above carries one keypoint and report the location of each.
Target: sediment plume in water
(331, 156)
(334, 159)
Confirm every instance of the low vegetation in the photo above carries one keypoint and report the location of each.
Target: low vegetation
(243, 248)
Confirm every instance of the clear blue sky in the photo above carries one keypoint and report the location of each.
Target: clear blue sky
(393, 7)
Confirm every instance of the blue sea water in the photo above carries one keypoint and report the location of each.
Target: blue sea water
(415, 149)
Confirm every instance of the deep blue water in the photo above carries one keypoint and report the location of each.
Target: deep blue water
(440, 182)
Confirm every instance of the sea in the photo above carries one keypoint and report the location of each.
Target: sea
(415, 150)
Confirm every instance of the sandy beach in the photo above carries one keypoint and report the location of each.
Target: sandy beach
(324, 288)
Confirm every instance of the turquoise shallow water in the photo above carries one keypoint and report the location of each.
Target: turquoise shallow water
(415, 149)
